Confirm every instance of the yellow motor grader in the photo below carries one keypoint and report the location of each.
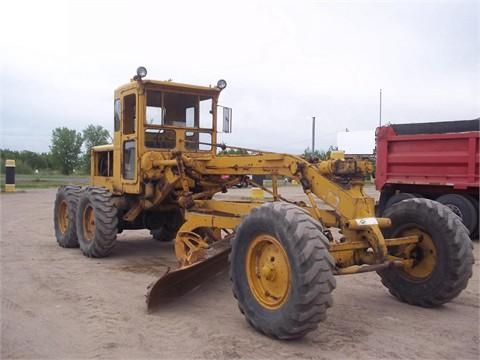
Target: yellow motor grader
(162, 173)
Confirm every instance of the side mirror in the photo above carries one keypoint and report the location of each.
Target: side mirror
(227, 120)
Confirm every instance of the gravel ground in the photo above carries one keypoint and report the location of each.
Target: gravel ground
(59, 304)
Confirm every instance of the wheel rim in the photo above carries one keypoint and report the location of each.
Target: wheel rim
(423, 253)
(63, 216)
(89, 223)
(268, 271)
(456, 210)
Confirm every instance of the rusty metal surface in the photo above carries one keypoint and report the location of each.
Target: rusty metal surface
(176, 283)
(357, 269)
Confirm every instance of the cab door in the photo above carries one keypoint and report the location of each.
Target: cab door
(129, 144)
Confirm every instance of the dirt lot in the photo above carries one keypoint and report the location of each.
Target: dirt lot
(57, 303)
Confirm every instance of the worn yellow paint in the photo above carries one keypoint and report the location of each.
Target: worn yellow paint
(62, 216)
(89, 223)
(425, 253)
(268, 271)
(257, 194)
(181, 178)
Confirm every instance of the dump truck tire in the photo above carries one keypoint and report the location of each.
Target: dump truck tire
(474, 201)
(64, 216)
(281, 271)
(96, 222)
(397, 198)
(463, 207)
(443, 257)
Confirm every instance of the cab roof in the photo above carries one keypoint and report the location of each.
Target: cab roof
(168, 85)
(107, 147)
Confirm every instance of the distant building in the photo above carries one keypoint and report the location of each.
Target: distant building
(360, 143)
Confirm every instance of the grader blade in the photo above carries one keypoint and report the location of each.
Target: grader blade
(183, 280)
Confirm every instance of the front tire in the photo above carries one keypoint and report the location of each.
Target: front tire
(443, 258)
(281, 271)
(96, 222)
(64, 216)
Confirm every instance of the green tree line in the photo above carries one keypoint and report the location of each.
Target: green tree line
(318, 155)
(65, 155)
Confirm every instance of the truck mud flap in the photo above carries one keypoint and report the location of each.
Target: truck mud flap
(183, 280)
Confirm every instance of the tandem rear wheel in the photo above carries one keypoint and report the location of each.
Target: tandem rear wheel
(64, 216)
(96, 221)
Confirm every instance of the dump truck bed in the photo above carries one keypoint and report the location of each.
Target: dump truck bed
(436, 154)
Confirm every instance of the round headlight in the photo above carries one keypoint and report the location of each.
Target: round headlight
(141, 71)
(221, 84)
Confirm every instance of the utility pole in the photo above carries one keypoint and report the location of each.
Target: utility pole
(380, 117)
(313, 135)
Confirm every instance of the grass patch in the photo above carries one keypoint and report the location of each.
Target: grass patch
(45, 181)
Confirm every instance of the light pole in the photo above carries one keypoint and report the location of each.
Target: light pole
(380, 115)
(313, 135)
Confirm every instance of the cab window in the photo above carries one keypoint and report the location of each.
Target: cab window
(104, 163)
(129, 160)
(178, 110)
(154, 110)
(129, 109)
(116, 115)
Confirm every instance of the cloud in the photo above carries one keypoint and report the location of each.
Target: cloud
(283, 62)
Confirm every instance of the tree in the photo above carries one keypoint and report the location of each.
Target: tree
(233, 152)
(93, 136)
(66, 147)
(318, 155)
(26, 161)
(34, 160)
(315, 156)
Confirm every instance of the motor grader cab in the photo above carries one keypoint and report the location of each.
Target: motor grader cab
(151, 118)
(162, 173)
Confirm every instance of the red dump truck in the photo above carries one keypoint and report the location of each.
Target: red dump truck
(437, 160)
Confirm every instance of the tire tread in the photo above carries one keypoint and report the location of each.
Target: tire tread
(314, 271)
(455, 238)
(71, 194)
(106, 222)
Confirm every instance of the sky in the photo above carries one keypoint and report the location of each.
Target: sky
(284, 62)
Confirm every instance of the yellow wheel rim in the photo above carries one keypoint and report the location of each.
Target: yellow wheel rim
(63, 216)
(423, 253)
(89, 223)
(268, 271)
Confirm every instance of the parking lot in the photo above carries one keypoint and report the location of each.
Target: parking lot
(56, 303)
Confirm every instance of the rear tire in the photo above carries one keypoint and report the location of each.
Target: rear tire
(443, 258)
(96, 222)
(474, 201)
(281, 271)
(64, 216)
(397, 198)
(463, 207)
